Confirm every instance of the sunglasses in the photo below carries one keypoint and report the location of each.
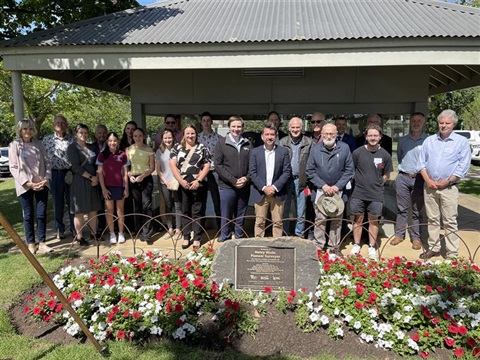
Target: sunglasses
(316, 122)
(170, 122)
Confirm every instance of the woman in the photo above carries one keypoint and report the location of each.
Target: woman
(112, 173)
(127, 136)
(31, 169)
(171, 198)
(84, 191)
(142, 165)
(232, 155)
(190, 163)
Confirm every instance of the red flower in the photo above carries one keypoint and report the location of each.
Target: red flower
(358, 305)
(197, 282)
(446, 316)
(435, 321)
(142, 265)
(326, 267)
(268, 289)
(428, 288)
(126, 313)
(188, 265)
(178, 308)
(160, 294)
(180, 273)
(40, 295)
(36, 310)
(359, 290)
(405, 281)
(76, 295)
(26, 310)
(166, 274)
(426, 334)
(415, 337)
(293, 293)
(29, 297)
(453, 329)
(137, 315)
(185, 283)
(110, 280)
(424, 354)
(93, 279)
(476, 352)
(459, 352)
(449, 341)
(115, 270)
(179, 322)
(132, 260)
(346, 292)
(51, 304)
(121, 334)
(462, 330)
(236, 306)
(59, 308)
(228, 303)
(51, 294)
(290, 300)
(471, 342)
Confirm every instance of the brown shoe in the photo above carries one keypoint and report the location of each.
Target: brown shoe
(336, 252)
(429, 254)
(396, 240)
(32, 248)
(416, 245)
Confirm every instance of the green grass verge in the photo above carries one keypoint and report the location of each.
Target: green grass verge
(470, 187)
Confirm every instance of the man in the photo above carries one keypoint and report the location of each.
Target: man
(100, 143)
(444, 160)
(209, 138)
(274, 118)
(409, 184)
(269, 172)
(373, 166)
(329, 169)
(56, 145)
(316, 122)
(298, 148)
(100, 137)
(386, 143)
(341, 124)
(232, 155)
(171, 123)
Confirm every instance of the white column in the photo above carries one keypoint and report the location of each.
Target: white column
(138, 115)
(17, 89)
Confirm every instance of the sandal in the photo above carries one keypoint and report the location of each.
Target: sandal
(196, 245)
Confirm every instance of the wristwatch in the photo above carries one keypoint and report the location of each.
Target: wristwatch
(90, 177)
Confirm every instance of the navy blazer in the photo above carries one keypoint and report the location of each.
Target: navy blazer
(258, 172)
(350, 141)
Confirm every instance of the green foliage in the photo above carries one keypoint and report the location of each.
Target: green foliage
(20, 17)
(459, 101)
(471, 116)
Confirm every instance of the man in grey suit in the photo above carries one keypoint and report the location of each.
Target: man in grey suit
(270, 170)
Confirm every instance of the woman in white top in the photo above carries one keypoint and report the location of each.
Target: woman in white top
(142, 165)
(171, 198)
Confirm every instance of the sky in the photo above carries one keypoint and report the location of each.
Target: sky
(147, 2)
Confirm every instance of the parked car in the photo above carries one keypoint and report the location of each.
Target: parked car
(4, 168)
(473, 137)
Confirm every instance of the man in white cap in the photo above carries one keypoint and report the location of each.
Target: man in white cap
(329, 169)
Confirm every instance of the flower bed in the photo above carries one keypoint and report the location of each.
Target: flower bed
(403, 306)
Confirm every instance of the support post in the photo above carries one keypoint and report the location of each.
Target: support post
(17, 88)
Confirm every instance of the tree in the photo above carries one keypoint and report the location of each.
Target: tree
(471, 117)
(459, 101)
(21, 17)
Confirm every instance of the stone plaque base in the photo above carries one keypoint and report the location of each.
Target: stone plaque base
(282, 263)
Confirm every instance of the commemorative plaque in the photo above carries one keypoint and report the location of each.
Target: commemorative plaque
(259, 266)
(282, 264)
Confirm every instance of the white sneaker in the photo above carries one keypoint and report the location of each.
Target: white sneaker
(113, 238)
(372, 253)
(121, 238)
(355, 249)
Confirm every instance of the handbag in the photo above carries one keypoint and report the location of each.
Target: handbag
(69, 177)
(174, 185)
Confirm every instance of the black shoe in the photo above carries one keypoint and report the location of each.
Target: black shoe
(184, 247)
(429, 254)
(82, 242)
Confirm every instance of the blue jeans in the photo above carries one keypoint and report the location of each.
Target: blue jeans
(27, 201)
(298, 197)
(233, 204)
(60, 195)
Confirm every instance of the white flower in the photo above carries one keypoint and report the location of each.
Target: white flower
(412, 344)
(331, 292)
(179, 334)
(407, 308)
(339, 331)
(396, 291)
(400, 335)
(330, 299)
(407, 319)
(324, 320)
(309, 305)
(396, 315)
(348, 318)
(357, 325)
(155, 330)
(336, 312)
(314, 317)
(255, 302)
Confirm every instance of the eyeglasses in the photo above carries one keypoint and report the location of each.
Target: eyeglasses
(170, 122)
(329, 134)
(373, 136)
(316, 121)
(27, 129)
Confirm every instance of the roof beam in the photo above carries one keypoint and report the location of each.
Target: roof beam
(439, 77)
(448, 73)
(460, 70)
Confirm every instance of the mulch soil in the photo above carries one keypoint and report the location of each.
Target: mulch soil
(277, 335)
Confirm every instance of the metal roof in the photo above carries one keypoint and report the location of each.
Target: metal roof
(240, 21)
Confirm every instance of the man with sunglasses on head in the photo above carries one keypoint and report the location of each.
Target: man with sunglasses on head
(316, 122)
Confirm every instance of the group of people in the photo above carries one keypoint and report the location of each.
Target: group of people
(317, 174)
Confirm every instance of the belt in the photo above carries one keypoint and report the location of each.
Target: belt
(295, 177)
(60, 170)
(409, 175)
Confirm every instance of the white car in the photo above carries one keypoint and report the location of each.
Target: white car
(4, 168)
(473, 137)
